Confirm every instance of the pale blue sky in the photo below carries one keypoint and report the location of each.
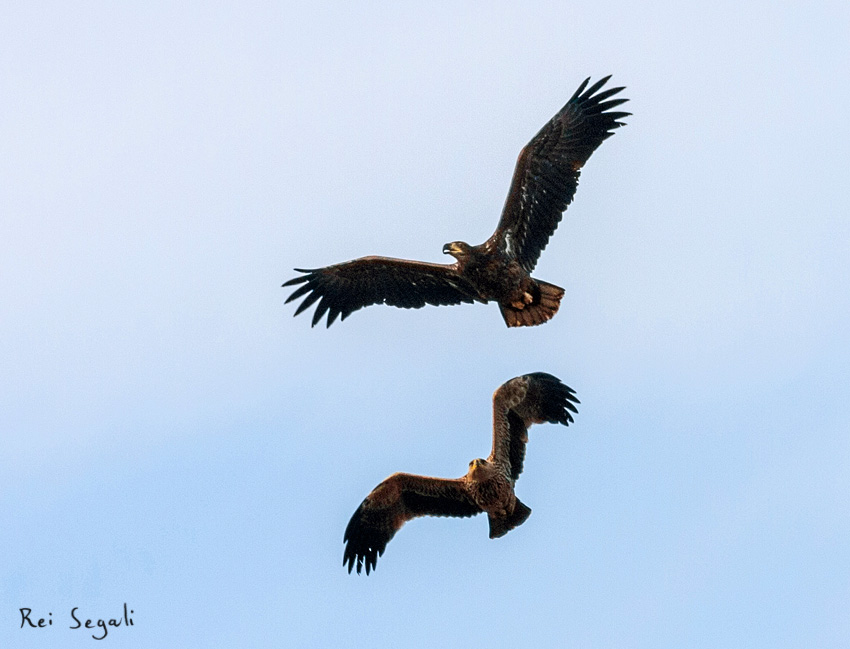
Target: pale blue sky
(176, 440)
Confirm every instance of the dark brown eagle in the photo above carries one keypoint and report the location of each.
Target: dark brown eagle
(544, 182)
(488, 485)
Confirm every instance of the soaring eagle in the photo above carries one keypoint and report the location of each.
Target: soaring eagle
(488, 485)
(544, 182)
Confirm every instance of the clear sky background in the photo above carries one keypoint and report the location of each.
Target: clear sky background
(174, 439)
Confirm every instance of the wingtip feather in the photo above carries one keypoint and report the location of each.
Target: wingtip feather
(580, 89)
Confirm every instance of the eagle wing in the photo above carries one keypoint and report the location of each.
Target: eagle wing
(391, 504)
(525, 400)
(547, 171)
(344, 288)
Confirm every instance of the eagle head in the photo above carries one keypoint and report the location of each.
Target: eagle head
(457, 249)
(478, 468)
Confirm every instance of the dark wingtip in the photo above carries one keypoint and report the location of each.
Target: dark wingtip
(580, 89)
(311, 289)
(596, 86)
(363, 545)
(604, 79)
(294, 281)
(558, 399)
(594, 97)
(300, 279)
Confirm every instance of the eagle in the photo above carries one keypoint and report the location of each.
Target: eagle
(543, 185)
(488, 485)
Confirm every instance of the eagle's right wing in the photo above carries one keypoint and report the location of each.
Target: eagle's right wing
(346, 287)
(547, 170)
(398, 499)
(517, 404)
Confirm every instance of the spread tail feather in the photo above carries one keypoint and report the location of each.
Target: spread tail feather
(501, 526)
(544, 305)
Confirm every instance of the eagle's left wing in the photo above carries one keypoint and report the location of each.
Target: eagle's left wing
(398, 499)
(525, 400)
(547, 171)
(346, 287)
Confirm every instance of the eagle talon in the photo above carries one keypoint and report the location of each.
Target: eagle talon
(527, 298)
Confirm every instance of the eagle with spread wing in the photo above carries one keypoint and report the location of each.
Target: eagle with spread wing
(488, 485)
(543, 185)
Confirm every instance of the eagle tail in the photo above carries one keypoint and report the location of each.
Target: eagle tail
(501, 526)
(544, 304)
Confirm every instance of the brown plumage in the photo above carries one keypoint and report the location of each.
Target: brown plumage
(543, 185)
(488, 485)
